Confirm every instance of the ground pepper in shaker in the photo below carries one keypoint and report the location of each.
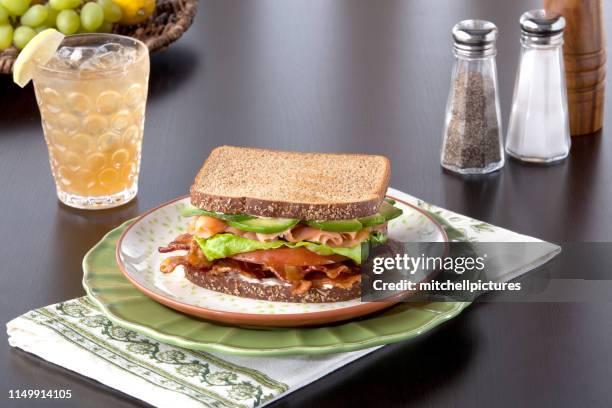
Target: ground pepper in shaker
(472, 141)
(539, 130)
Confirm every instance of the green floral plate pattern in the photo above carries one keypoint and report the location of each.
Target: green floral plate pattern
(127, 306)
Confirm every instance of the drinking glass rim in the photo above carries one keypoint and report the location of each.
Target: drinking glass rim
(141, 47)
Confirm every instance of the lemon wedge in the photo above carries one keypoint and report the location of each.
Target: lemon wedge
(38, 51)
(135, 11)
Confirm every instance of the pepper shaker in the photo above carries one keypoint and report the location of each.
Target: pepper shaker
(472, 141)
(538, 129)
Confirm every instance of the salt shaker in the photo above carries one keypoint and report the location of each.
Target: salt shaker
(538, 130)
(472, 140)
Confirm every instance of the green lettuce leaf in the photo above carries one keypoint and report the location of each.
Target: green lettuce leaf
(224, 245)
(378, 238)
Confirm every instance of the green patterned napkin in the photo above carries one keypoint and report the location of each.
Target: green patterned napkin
(76, 335)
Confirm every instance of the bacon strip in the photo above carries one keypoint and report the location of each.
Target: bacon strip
(182, 242)
(301, 285)
(344, 282)
(331, 272)
(302, 278)
(169, 264)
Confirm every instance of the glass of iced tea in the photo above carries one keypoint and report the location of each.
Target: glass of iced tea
(92, 95)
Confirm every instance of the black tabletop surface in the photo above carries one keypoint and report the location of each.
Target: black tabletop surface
(350, 76)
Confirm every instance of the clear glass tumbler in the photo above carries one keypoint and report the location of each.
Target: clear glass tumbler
(92, 96)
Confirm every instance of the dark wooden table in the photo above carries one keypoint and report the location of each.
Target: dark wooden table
(358, 76)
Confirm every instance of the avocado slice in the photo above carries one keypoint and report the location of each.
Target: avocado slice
(385, 213)
(336, 225)
(192, 211)
(371, 220)
(389, 211)
(263, 225)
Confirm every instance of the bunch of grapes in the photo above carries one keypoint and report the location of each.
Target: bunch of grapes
(20, 21)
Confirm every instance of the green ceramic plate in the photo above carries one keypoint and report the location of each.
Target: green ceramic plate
(128, 307)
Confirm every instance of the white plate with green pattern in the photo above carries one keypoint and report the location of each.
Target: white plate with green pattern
(139, 260)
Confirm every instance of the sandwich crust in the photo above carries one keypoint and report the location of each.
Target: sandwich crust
(232, 284)
(306, 186)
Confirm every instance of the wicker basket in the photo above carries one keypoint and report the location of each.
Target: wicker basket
(171, 19)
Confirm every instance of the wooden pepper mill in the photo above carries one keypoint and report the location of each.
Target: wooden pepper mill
(585, 59)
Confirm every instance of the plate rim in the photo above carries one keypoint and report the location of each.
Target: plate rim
(257, 319)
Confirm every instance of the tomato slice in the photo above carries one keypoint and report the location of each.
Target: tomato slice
(288, 257)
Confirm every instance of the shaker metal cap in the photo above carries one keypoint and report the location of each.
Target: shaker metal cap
(542, 23)
(475, 37)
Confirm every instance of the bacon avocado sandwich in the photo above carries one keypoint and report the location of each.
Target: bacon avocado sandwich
(283, 226)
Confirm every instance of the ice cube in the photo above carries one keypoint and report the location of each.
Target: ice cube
(64, 52)
(128, 55)
(106, 56)
(98, 61)
(61, 58)
(110, 47)
(70, 57)
(82, 54)
(76, 55)
(103, 57)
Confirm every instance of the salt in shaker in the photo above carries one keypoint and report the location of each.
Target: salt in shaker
(538, 130)
(472, 140)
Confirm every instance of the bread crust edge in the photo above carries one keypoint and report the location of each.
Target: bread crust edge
(283, 209)
(230, 284)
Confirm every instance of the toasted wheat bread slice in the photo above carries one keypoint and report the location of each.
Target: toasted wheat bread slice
(232, 284)
(306, 186)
